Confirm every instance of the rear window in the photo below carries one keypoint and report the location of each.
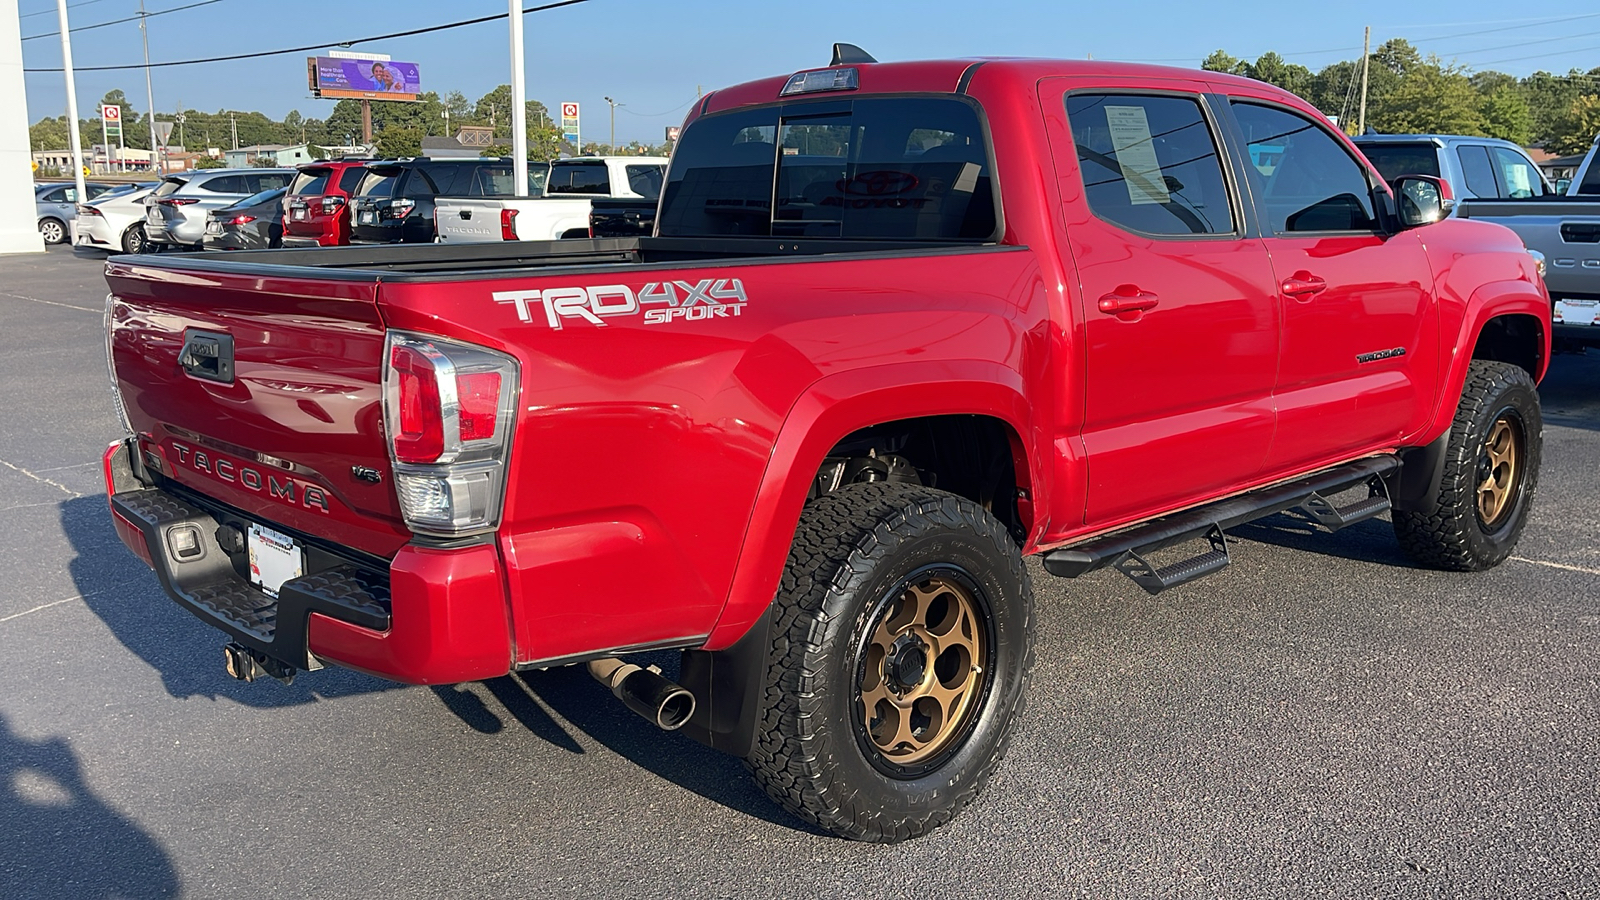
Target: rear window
(646, 180)
(379, 182)
(578, 178)
(892, 168)
(168, 187)
(310, 182)
(350, 179)
(262, 197)
(1394, 160)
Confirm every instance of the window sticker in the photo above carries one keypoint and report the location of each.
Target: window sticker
(1136, 155)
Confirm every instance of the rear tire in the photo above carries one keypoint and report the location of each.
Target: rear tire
(133, 239)
(1491, 472)
(915, 603)
(54, 231)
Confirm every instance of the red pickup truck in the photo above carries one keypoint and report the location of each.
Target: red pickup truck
(900, 325)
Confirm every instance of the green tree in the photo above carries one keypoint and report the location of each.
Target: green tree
(398, 140)
(1430, 98)
(1506, 114)
(1396, 55)
(1271, 68)
(50, 134)
(1575, 128)
(1221, 61)
(206, 162)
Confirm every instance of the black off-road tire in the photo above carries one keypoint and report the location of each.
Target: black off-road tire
(854, 551)
(1452, 535)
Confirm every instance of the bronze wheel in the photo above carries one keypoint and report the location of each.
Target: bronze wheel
(1499, 467)
(923, 671)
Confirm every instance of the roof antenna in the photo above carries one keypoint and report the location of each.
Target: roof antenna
(850, 54)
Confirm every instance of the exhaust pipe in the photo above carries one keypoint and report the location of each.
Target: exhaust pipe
(646, 692)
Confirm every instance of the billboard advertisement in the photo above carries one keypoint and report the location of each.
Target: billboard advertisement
(569, 122)
(363, 78)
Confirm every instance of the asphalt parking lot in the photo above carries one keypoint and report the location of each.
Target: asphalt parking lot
(1322, 718)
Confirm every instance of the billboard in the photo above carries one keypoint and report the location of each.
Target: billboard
(111, 118)
(363, 78)
(569, 123)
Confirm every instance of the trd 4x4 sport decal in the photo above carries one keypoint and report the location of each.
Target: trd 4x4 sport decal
(710, 298)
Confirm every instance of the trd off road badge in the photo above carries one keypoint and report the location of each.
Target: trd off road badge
(710, 298)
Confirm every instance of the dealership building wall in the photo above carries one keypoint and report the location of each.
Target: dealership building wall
(19, 228)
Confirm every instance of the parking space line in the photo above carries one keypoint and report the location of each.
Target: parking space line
(92, 462)
(16, 468)
(37, 608)
(1556, 565)
(51, 303)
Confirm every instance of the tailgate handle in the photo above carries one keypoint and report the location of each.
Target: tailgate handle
(208, 355)
(465, 214)
(1580, 233)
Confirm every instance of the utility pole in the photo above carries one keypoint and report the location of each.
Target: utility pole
(1366, 62)
(72, 102)
(150, 96)
(233, 124)
(614, 105)
(519, 104)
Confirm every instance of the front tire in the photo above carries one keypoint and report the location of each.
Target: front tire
(54, 231)
(1491, 471)
(902, 641)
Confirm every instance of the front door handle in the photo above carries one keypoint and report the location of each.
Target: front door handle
(1303, 286)
(1128, 298)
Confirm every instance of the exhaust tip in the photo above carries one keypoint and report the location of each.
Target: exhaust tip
(675, 710)
(647, 692)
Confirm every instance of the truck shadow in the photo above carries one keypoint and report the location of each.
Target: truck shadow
(1570, 392)
(1372, 541)
(573, 695)
(124, 593)
(57, 839)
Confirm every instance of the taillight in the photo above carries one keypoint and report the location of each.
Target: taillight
(111, 367)
(331, 205)
(177, 201)
(399, 209)
(450, 410)
(89, 211)
(240, 220)
(508, 224)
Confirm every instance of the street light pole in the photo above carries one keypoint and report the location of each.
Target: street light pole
(150, 95)
(614, 105)
(72, 102)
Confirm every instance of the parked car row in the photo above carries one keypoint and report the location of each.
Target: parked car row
(57, 206)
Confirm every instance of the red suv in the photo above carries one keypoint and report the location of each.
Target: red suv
(315, 211)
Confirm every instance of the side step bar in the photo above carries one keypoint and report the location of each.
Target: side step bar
(1127, 549)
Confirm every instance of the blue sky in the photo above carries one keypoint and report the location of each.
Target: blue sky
(652, 55)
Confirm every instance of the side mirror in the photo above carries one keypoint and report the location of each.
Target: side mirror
(1422, 199)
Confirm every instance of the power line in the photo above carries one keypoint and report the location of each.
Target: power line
(349, 43)
(1446, 37)
(52, 11)
(150, 15)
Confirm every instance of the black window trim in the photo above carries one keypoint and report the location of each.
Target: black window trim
(1382, 211)
(1243, 227)
(782, 108)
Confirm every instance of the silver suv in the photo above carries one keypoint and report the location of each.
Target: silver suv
(175, 212)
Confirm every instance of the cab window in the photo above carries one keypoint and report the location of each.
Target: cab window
(1150, 164)
(1303, 178)
(1522, 181)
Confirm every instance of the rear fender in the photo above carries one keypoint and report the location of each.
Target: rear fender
(836, 406)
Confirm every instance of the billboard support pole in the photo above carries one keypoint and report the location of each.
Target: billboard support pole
(366, 122)
(519, 104)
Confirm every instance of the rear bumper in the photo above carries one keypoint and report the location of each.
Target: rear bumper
(432, 616)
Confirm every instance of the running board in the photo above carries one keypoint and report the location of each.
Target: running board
(1127, 550)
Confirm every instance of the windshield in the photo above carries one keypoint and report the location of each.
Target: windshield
(1394, 160)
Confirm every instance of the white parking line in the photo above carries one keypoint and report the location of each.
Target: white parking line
(88, 309)
(37, 608)
(1556, 565)
(16, 468)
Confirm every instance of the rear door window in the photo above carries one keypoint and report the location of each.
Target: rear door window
(495, 180)
(1150, 164)
(226, 184)
(267, 181)
(578, 178)
(1304, 179)
(1591, 176)
(1477, 171)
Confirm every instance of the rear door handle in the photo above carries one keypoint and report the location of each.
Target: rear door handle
(1303, 286)
(1128, 298)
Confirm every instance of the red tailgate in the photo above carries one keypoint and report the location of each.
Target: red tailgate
(295, 435)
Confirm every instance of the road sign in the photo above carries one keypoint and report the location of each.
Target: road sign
(163, 132)
(569, 123)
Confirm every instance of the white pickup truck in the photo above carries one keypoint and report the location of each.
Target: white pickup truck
(563, 211)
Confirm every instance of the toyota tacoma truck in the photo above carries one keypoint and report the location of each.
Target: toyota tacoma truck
(900, 326)
(562, 211)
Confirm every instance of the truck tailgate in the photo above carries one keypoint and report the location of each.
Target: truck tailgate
(464, 220)
(276, 408)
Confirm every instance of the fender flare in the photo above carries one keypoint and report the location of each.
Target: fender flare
(824, 414)
(1416, 486)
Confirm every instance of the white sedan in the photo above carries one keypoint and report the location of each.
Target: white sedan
(114, 222)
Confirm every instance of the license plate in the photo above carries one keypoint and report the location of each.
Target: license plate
(213, 227)
(274, 558)
(298, 214)
(368, 217)
(1577, 312)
